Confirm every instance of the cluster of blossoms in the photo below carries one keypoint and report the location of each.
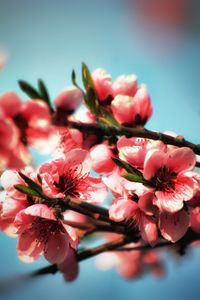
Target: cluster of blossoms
(50, 209)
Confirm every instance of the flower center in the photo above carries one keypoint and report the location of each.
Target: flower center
(164, 180)
(44, 228)
(69, 182)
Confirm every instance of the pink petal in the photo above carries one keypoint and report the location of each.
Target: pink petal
(69, 267)
(101, 156)
(153, 162)
(93, 190)
(195, 219)
(122, 209)
(72, 235)
(10, 103)
(29, 249)
(148, 229)
(168, 202)
(69, 99)
(39, 210)
(145, 203)
(55, 250)
(78, 158)
(174, 226)
(181, 159)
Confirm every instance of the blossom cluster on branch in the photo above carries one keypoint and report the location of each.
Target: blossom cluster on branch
(99, 151)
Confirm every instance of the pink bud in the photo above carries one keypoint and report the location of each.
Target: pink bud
(125, 85)
(69, 99)
(102, 159)
(103, 83)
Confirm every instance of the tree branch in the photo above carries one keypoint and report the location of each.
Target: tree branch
(182, 244)
(106, 130)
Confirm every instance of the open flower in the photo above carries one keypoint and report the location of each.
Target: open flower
(40, 233)
(168, 173)
(69, 176)
(139, 215)
(133, 150)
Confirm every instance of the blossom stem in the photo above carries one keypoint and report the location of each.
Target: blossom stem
(107, 130)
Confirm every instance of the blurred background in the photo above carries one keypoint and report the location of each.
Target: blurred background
(159, 40)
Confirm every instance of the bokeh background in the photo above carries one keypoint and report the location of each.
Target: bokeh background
(156, 39)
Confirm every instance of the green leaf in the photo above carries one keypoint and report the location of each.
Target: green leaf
(86, 77)
(132, 174)
(29, 90)
(26, 190)
(133, 177)
(31, 184)
(124, 165)
(44, 95)
(90, 97)
(107, 118)
(73, 77)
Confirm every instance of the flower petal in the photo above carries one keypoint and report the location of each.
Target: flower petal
(153, 162)
(122, 209)
(174, 226)
(181, 159)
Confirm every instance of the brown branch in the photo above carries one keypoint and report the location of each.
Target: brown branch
(117, 246)
(106, 130)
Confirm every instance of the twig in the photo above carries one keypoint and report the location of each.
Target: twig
(107, 130)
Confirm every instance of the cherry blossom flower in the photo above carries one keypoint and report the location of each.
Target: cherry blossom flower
(137, 216)
(170, 176)
(134, 150)
(68, 100)
(101, 156)
(125, 85)
(40, 233)
(102, 83)
(132, 111)
(69, 176)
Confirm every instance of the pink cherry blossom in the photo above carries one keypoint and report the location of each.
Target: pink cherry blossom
(37, 124)
(170, 176)
(133, 150)
(125, 85)
(102, 83)
(134, 111)
(129, 210)
(101, 156)
(69, 176)
(10, 103)
(40, 233)
(69, 99)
